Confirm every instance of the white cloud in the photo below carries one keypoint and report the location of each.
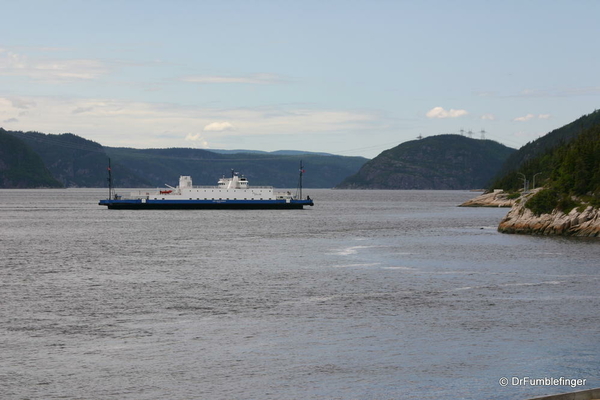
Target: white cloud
(22, 103)
(8, 121)
(50, 70)
(488, 117)
(532, 93)
(486, 94)
(439, 112)
(560, 92)
(143, 125)
(257, 79)
(197, 139)
(218, 127)
(80, 110)
(532, 116)
(524, 118)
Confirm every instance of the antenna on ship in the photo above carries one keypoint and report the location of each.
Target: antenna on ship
(299, 190)
(110, 185)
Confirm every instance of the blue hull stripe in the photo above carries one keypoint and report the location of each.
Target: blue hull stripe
(205, 204)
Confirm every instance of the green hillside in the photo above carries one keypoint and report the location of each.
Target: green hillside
(162, 166)
(21, 167)
(78, 162)
(573, 174)
(75, 161)
(533, 158)
(436, 162)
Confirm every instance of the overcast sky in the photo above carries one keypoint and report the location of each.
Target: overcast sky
(346, 77)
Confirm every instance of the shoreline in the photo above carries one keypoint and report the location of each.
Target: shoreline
(521, 220)
(497, 198)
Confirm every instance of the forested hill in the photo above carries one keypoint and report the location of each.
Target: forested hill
(527, 159)
(20, 166)
(436, 162)
(573, 171)
(205, 167)
(569, 173)
(78, 162)
(75, 161)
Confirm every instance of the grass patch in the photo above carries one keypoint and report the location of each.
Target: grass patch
(566, 204)
(543, 202)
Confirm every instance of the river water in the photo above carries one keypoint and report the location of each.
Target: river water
(366, 295)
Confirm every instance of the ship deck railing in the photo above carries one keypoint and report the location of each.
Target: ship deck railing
(217, 187)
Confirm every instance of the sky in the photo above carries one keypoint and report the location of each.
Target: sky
(346, 77)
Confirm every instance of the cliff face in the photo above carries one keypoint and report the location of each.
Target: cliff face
(520, 219)
(448, 162)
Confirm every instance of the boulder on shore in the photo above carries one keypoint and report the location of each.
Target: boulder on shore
(520, 219)
(497, 198)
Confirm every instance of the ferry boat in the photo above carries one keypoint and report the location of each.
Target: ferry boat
(230, 193)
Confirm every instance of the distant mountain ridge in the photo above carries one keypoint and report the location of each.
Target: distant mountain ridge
(437, 162)
(281, 152)
(78, 162)
(206, 167)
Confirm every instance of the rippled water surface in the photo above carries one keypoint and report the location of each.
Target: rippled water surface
(366, 295)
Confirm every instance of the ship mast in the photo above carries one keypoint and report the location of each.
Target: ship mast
(299, 189)
(110, 185)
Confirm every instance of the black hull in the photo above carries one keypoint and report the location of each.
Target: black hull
(205, 205)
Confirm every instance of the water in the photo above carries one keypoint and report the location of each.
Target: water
(367, 295)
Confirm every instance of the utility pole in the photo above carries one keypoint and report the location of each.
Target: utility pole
(534, 179)
(524, 182)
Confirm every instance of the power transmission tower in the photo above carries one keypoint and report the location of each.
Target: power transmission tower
(482, 134)
(470, 133)
(462, 132)
(420, 136)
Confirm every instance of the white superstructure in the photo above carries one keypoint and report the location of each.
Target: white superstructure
(234, 188)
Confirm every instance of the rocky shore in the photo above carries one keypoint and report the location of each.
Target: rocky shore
(520, 219)
(497, 198)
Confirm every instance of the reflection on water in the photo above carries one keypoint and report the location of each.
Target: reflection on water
(366, 295)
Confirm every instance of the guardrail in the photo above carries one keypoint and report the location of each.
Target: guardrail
(590, 394)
